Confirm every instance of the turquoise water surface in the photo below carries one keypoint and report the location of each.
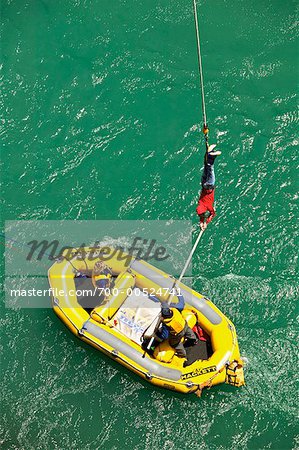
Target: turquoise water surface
(100, 120)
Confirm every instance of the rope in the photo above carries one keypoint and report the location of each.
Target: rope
(203, 103)
(186, 264)
(174, 286)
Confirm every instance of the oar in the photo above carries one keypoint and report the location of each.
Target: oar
(174, 287)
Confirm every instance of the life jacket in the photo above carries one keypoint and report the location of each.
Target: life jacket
(105, 275)
(176, 323)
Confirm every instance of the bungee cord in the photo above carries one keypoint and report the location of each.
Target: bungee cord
(205, 128)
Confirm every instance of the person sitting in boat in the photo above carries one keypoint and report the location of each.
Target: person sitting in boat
(178, 329)
(205, 208)
(179, 303)
(102, 278)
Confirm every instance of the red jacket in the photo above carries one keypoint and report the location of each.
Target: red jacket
(205, 203)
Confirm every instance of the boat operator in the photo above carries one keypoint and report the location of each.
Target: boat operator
(178, 329)
(179, 303)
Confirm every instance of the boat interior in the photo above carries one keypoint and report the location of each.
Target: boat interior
(116, 310)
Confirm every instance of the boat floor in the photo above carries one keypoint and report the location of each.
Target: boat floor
(90, 301)
(202, 350)
(199, 351)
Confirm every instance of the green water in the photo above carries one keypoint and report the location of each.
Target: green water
(100, 120)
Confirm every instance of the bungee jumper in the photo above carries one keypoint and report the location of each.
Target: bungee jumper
(205, 208)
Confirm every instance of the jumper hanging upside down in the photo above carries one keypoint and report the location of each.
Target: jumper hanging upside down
(205, 208)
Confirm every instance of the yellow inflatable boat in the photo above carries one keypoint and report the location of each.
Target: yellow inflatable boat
(120, 320)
